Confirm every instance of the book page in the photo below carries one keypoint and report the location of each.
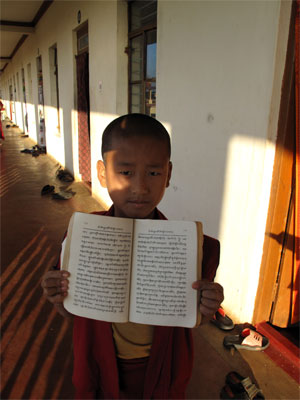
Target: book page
(163, 269)
(99, 263)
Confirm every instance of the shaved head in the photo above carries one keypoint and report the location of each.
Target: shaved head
(134, 125)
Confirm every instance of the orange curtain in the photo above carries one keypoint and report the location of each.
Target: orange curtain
(295, 317)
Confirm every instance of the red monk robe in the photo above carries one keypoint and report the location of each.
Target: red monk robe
(169, 368)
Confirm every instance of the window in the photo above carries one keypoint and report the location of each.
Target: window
(83, 39)
(142, 15)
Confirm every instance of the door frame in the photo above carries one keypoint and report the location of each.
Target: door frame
(279, 197)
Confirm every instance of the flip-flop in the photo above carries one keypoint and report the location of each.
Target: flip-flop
(248, 339)
(241, 387)
(222, 321)
(47, 189)
(62, 196)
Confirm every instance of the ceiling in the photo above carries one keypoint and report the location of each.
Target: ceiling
(17, 21)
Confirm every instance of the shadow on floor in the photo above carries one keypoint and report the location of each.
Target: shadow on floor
(36, 349)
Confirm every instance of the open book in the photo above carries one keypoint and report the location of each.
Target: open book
(133, 270)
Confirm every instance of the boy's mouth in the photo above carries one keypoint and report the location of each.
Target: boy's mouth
(138, 203)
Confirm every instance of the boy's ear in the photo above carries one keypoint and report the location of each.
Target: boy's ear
(101, 172)
(169, 174)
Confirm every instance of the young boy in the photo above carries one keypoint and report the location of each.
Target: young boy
(134, 360)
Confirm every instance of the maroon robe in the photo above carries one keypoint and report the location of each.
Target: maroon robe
(169, 369)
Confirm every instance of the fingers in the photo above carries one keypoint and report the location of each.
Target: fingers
(203, 284)
(211, 297)
(55, 286)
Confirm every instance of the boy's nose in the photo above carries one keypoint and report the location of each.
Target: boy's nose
(139, 185)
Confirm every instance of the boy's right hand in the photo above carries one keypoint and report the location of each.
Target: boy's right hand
(55, 285)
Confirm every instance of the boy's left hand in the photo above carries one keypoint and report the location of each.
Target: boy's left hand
(210, 299)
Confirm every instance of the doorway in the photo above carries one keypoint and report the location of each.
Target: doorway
(40, 109)
(11, 103)
(25, 113)
(83, 104)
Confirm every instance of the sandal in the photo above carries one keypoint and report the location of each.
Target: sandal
(62, 196)
(239, 387)
(248, 339)
(222, 321)
(47, 189)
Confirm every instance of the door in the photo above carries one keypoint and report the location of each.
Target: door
(25, 113)
(41, 116)
(285, 288)
(11, 102)
(83, 104)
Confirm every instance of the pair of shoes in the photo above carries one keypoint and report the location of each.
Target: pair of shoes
(238, 387)
(222, 321)
(47, 189)
(62, 195)
(248, 339)
(64, 175)
(35, 151)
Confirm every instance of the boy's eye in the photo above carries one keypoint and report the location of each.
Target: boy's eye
(154, 173)
(126, 173)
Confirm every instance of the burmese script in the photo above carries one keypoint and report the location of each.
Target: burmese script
(133, 270)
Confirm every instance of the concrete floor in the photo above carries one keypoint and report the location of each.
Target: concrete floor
(36, 345)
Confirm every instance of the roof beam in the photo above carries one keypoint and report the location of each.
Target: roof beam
(2, 70)
(25, 28)
(15, 26)
(18, 45)
(44, 7)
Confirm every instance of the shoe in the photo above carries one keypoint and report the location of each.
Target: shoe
(47, 189)
(249, 339)
(62, 196)
(222, 321)
(238, 387)
(64, 175)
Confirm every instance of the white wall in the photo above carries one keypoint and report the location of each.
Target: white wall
(108, 40)
(215, 87)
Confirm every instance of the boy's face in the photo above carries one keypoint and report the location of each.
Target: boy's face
(136, 173)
